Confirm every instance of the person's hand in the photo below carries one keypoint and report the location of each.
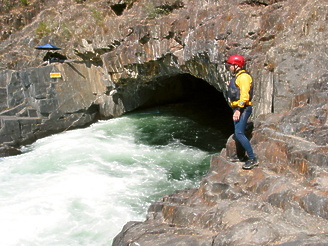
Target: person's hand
(236, 115)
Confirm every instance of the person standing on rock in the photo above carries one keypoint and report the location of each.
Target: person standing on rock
(240, 93)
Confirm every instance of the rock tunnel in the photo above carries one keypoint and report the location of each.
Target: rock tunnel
(184, 89)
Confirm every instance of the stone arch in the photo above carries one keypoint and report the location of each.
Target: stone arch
(176, 89)
(137, 84)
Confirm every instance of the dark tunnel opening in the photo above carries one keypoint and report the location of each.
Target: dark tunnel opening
(189, 90)
(187, 96)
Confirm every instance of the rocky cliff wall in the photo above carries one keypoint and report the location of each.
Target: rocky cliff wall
(35, 105)
(120, 56)
(143, 42)
(277, 37)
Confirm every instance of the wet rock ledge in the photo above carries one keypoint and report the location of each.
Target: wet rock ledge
(283, 201)
(269, 205)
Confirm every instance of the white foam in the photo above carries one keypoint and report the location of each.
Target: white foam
(80, 187)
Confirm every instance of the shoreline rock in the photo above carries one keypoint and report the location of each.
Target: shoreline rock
(283, 201)
(269, 205)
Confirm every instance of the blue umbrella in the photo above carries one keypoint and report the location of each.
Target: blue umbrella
(47, 47)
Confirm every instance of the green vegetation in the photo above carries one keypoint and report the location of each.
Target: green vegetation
(7, 5)
(98, 16)
(129, 3)
(155, 12)
(25, 2)
(65, 31)
(42, 29)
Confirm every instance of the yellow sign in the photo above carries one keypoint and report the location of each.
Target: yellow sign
(55, 75)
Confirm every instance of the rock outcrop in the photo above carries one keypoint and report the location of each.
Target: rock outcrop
(121, 55)
(282, 202)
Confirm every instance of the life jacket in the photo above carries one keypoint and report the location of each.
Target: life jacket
(234, 91)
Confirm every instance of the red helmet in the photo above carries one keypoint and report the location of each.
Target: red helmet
(236, 60)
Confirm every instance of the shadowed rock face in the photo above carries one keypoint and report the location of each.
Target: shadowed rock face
(122, 55)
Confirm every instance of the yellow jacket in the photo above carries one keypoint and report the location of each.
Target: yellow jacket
(243, 82)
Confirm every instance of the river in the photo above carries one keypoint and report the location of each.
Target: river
(80, 187)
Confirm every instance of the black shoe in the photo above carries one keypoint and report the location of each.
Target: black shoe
(250, 164)
(235, 158)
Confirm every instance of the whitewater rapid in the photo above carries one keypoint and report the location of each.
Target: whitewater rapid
(81, 186)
